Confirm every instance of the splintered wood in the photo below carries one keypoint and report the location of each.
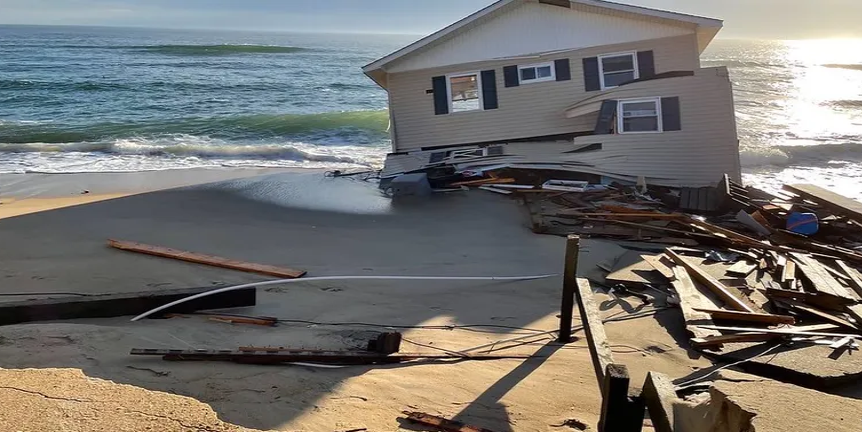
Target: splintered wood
(209, 260)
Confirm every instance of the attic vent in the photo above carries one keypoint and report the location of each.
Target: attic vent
(561, 3)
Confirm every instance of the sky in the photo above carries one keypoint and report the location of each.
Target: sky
(765, 19)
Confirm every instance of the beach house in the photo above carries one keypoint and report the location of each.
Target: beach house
(605, 89)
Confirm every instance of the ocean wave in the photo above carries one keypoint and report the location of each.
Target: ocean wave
(811, 155)
(210, 50)
(237, 127)
(846, 103)
(857, 67)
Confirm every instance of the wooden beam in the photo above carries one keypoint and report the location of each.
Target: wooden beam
(660, 396)
(714, 341)
(570, 286)
(619, 412)
(597, 340)
(209, 260)
(710, 282)
(821, 300)
(834, 202)
(788, 273)
(115, 305)
(749, 317)
(830, 318)
(786, 331)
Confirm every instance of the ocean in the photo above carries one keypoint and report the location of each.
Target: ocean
(84, 99)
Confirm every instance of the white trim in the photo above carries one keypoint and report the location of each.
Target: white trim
(478, 75)
(634, 55)
(621, 102)
(553, 76)
(702, 22)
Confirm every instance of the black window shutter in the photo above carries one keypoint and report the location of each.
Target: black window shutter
(510, 76)
(441, 99)
(670, 113)
(563, 70)
(591, 74)
(646, 64)
(489, 90)
(606, 117)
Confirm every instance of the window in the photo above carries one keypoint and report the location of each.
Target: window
(639, 115)
(536, 73)
(615, 69)
(465, 92)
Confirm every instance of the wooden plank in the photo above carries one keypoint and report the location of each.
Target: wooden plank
(660, 395)
(825, 316)
(712, 283)
(748, 317)
(831, 200)
(855, 312)
(632, 270)
(715, 341)
(441, 423)
(661, 264)
(820, 300)
(855, 280)
(690, 299)
(742, 268)
(788, 273)
(115, 305)
(206, 259)
(821, 280)
(486, 181)
(597, 340)
(785, 331)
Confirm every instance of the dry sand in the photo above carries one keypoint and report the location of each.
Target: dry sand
(328, 227)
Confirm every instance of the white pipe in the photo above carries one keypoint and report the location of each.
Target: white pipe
(321, 278)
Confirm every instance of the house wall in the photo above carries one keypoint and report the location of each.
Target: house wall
(528, 110)
(534, 28)
(706, 148)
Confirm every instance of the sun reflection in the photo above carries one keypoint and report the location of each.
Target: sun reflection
(826, 76)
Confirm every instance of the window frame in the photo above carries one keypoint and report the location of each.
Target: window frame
(480, 93)
(634, 56)
(536, 66)
(659, 117)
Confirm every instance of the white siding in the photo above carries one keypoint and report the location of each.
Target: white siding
(535, 28)
(526, 111)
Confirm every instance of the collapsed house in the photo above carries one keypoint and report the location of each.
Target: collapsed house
(604, 91)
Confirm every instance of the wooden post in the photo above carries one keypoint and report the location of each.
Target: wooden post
(620, 411)
(570, 286)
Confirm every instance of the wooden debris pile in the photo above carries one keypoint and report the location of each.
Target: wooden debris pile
(747, 275)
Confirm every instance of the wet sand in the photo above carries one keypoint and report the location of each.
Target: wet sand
(327, 227)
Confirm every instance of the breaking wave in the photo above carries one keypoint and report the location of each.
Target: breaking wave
(811, 155)
(369, 123)
(857, 67)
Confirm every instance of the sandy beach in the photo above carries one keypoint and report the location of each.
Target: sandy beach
(327, 227)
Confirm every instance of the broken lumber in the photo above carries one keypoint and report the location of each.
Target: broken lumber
(742, 268)
(597, 340)
(690, 299)
(710, 282)
(570, 287)
(209, 260)
(280, 356)
(855, 278)
(441, 423)
(125, 304)
(834, 202)
(748, 317)
(781, 331)
(821, 280)
(659, 394)
(661, 264)
(830, 318)
(714, 341)
(821, 300)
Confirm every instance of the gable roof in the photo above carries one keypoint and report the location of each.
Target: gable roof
(706, 28)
